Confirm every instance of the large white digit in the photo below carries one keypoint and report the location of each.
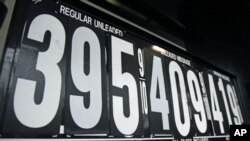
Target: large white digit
(233, 105)
(215, 105)
(183, 127)
(159, 104)
(126, 125)
(27, 111)
(200, 119)
(221, 88)
(86, 117)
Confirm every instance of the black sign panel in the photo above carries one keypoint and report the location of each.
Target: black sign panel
(159, 96)
(35, 97)
(72, 74)
(176, 94)
(125, 98)
(86, 99)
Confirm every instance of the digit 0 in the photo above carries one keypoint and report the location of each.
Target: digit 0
(182, 127)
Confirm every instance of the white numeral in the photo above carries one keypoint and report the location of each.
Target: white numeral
(183, 127)
(126, 125)
(27, 111)
(142, 83)
(159, 104)
(200, 119)
(233, 105)
(82, 116)
(141, 62)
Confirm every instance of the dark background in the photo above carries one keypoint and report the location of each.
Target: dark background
(215, 31)
(219, 32)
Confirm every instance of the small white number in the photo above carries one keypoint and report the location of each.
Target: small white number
(141, 62)
(142, 82)
(215, 105)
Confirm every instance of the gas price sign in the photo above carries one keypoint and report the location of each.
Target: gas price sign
(73, 75)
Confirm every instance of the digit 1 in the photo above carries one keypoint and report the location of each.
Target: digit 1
(221, 88)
